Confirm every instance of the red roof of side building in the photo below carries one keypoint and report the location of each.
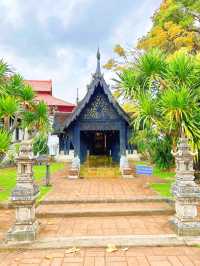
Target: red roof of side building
(52, 101)
(43, 89)
(40, 85)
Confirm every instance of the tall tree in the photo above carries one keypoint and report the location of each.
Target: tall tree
(18, 107)
(176, 25)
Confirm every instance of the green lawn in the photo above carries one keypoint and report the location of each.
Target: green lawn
(8, 179)
(164, 189)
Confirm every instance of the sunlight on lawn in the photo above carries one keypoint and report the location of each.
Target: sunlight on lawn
(8, 179)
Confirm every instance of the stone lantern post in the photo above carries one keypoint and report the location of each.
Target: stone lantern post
(186, 192)
(24, 196)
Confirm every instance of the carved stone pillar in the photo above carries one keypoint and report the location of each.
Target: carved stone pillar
(24, 196)
(186, 192)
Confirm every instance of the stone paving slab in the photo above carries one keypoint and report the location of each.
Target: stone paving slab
(140, 256)
(103, 226)
(77, 226)
(104, 209)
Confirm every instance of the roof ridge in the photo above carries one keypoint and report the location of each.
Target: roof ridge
(62, 100)
(40, 80)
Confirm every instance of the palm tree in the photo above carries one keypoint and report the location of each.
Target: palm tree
(5, 71)
(9, 107)
(36, 120)
(165, 93)
(18, 107)
(4, 143)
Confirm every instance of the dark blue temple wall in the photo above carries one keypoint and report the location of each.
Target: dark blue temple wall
(98, 115)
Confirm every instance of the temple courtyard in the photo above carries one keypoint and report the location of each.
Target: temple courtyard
(108, 221)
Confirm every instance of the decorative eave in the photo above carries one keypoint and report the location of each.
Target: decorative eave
(97, 79)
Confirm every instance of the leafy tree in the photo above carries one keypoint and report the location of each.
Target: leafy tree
(175, 25)
(4, 143)
(40, 145)
(18, 107)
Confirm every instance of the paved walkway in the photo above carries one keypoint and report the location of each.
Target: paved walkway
(64, 189)
(165, 256)
(97, 188)
(104, 226)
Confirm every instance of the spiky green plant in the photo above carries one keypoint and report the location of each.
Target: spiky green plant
(5, 139)
(165, 92)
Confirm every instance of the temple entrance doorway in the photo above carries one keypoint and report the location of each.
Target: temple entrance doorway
(100, 143)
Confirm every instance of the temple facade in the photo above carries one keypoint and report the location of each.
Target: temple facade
(97, 125)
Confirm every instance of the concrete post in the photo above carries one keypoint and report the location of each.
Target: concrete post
(24, 196)
(47, 178)
(186, 192)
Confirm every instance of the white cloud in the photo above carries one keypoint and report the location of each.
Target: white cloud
(69, 66)
(66, 11)
(13, 12)
(135, 24)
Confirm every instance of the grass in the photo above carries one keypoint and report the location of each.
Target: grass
(43, 192)
(8, 179)
(164, 189)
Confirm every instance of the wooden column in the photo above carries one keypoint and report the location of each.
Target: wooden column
(122, 139)
(77, 140)
(65, 144)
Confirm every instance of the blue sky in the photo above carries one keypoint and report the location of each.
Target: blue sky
(58, 40)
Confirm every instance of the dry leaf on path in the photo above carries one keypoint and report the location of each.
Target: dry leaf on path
(72, 250)
(124, 249)
(111, 248)
(48, 257)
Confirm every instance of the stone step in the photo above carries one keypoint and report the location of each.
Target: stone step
(166, 240)
(108, 200)
(103, 226)
(104, 209)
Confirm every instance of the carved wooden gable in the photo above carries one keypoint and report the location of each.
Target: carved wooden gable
(99, 108)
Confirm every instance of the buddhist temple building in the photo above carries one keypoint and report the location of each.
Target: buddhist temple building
(97, 125)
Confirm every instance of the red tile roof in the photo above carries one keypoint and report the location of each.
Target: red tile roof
(52, 101)
(41, 85)
(43, 89)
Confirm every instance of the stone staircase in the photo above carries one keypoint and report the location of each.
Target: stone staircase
(98, 223)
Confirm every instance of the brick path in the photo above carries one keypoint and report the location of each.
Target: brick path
(93, 226)
(64, 189)
(98, 188)
(165, 256)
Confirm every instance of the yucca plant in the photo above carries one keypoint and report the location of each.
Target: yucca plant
(179, 107)
(9, 107)
(146, 111)
(36, 120)
(5, 71)
(166, 94)
(5, 140)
